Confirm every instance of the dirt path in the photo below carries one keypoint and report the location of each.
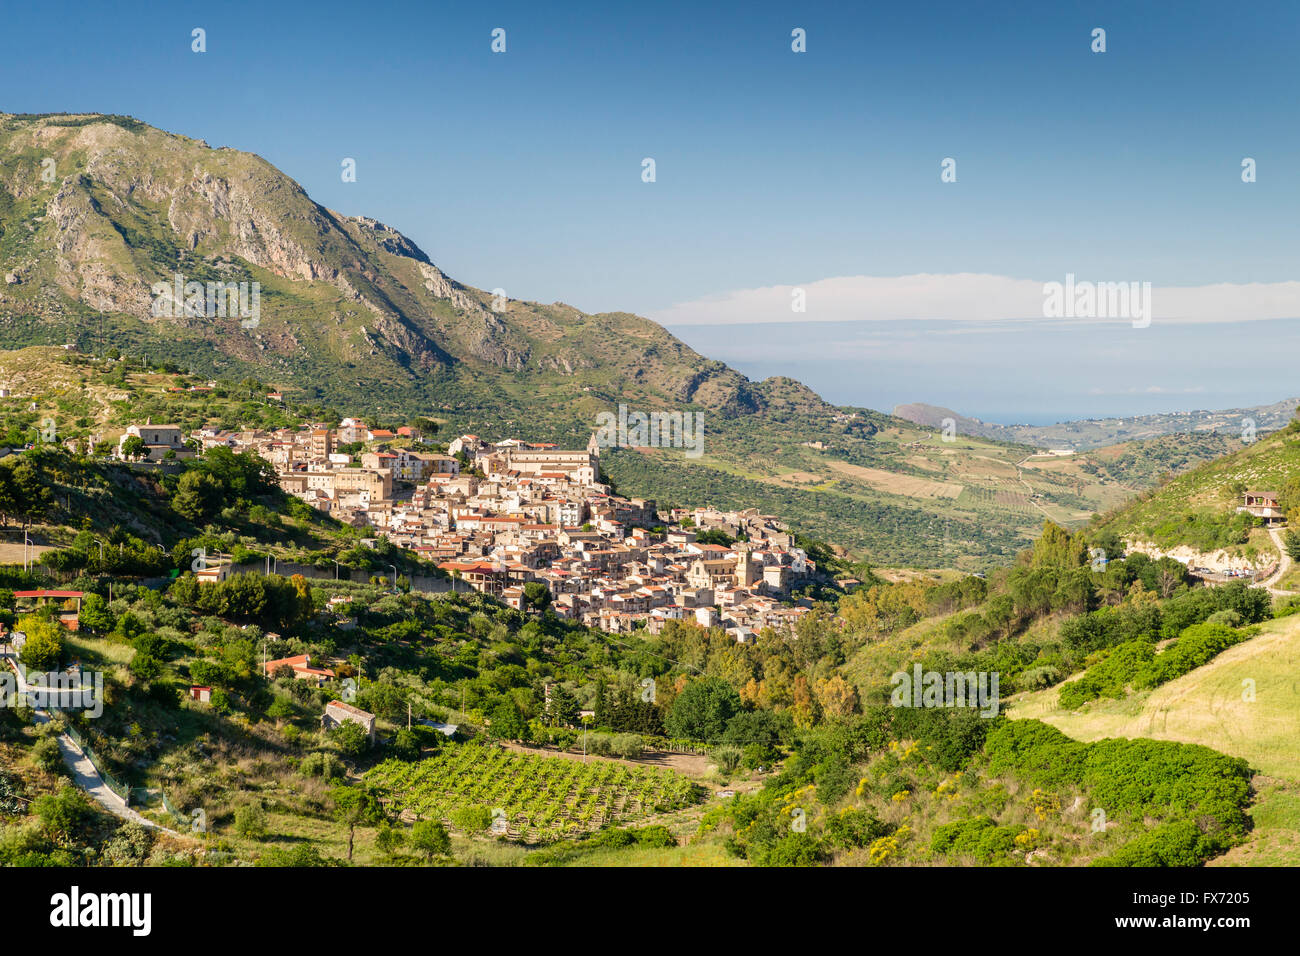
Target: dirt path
(1020, 476)
(85, 776)
(1283, 565)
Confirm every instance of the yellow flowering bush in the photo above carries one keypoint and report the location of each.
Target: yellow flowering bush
(881, 850)
(1028, 839)
(1044, 804)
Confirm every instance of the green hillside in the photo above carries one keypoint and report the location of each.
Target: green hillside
(101, 216)
(1197, 508)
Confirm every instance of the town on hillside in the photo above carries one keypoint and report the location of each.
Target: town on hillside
(500, 516)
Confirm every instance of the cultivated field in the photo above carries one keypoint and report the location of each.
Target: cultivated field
(898, 484)
(537, 797)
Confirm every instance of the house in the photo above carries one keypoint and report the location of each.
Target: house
(469, 444)
(321, 443)
(352, 430)
(1262, 504)
(158, 441)
(202, 694)
(69, 616)
(337, 713)
(214, 570)
(302, 669)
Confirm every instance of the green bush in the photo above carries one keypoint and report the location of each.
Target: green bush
(978, 837)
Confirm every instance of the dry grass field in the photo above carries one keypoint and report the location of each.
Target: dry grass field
(1212, 706)
(896, 484)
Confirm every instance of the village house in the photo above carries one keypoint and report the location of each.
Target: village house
(158, 440)
(1262, 504)
(338, 712)
(302, 669)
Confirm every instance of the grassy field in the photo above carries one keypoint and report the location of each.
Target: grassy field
(1205, 706)
(694, 854)
(1209, 706)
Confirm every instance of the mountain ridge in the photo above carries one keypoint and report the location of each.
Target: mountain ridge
(106, 206)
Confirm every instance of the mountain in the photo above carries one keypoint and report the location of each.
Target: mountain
(97, 209)
(1098, 432)
(102, 217)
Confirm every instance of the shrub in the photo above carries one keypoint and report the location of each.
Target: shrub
(727, 758)
(471, 819)
(48, 756)
(321, 764)
(250, 821)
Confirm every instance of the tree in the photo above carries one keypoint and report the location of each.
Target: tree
(198, 497)
(31, 496)
(62, 814)
(430, 838)
(1292, 544)
(8, 496)
(537, 595)
(350, 737)
(44, 647)
(354, 807)
(280, 709)
(507, 721)
(838, 698)
(702, 709)
(133, 446)
(145, 666)
(95, 615)
(389, 840)
(564, 707)
(406, 745)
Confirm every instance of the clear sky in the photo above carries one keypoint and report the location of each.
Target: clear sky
(523, 170)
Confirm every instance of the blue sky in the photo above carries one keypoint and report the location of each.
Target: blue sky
(522, 170)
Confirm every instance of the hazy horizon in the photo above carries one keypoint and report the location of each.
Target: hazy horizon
(1036, 373)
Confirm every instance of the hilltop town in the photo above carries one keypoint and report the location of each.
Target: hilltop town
(502, 515)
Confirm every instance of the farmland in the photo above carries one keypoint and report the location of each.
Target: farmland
(540, 798)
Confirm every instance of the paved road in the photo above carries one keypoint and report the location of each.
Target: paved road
(83, 771)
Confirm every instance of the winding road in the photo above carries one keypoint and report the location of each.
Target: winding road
(79, 766)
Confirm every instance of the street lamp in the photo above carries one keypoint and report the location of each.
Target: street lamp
(394, 567)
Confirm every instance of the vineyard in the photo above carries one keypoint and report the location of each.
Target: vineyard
(541, 798)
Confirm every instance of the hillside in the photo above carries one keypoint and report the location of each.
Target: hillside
(905, 496)
(100, 215)
(1210, 706)
(1197, 508)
